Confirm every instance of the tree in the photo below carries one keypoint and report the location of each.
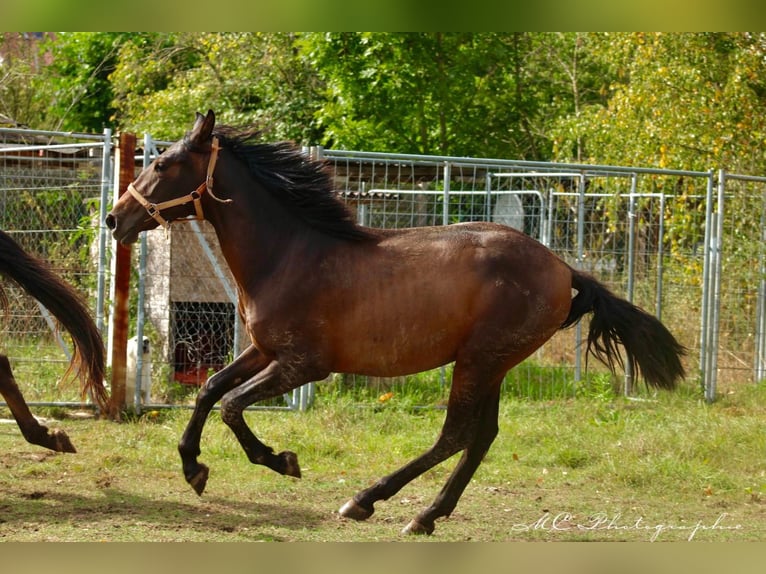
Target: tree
(575, 80)
(428, 93)
(161, 79)
(683, 101)
(487, 94)
(79, 78)
(491, 94)
(24, 95)
(690, 101)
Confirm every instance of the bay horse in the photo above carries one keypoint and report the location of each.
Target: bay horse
(320, 294)
(65, 304)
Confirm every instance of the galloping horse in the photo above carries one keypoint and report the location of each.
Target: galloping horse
(65, 304)
(321, 294)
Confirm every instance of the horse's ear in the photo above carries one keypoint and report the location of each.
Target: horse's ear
(203, 127)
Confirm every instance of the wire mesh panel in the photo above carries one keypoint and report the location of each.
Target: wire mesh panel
(741, 290)
(639, 232)
(51, 188)
(190, 310)
(658, 237)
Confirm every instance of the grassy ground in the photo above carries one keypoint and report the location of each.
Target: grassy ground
(593, 468)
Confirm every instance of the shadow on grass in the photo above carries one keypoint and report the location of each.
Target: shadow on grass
(106, 513)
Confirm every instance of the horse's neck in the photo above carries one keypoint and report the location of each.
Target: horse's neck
(255, 236)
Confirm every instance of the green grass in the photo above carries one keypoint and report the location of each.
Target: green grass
(530, 380)
(42, 365)
(40, 370)
(592, 468)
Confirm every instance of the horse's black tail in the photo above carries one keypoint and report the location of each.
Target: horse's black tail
(651, 349)
(34, 277)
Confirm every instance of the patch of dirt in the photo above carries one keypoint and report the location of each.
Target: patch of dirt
(34, 495)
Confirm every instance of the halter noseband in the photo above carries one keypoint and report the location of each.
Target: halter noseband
(154, 209)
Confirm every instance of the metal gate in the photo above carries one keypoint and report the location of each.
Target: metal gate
(657, 237)
(687, 246)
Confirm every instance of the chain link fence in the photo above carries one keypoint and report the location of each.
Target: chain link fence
(686, 246)
(52, 188)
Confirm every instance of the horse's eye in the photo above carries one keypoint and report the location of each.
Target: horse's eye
(159, 167)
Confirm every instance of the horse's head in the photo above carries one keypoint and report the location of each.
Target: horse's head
(171, 187)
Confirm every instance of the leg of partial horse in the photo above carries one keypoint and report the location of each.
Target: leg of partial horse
(270, 382)
(31, 429)
(245, 366)
(447, 499)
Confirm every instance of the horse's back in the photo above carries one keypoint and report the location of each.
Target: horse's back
(474, 254)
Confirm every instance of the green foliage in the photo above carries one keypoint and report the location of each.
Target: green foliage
(688, 101)
(24, 90)
(439, 93)
(246, 77)
(683, 101)
(78, 80)
(676, 100)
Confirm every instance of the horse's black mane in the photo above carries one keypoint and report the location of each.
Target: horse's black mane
(303, 185)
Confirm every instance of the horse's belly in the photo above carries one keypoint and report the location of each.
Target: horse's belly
(404, 350)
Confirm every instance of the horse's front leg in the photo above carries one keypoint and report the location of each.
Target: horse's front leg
(31, 429)
(247, 364)
(271, 382)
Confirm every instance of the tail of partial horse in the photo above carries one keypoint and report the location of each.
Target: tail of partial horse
(34, 277)
(651, 350)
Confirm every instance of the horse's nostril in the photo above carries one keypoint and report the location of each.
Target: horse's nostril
(110, 221)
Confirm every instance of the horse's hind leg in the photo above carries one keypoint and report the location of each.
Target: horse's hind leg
(463, 423)
(472, 456)
(31, 429)
(361, 506)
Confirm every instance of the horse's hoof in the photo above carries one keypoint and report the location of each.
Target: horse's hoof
(199, 480)
(60, 442)
(415, 527)
(292, 468)
(354, 511)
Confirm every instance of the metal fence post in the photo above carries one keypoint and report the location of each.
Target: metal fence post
(628, 381)
(759, 368)
(707, 248)
(580, 261)
(660, 257)
(446, 182)
(106, 182)
(716, 269)
(714, 236)
(140, 315)
(759, 360)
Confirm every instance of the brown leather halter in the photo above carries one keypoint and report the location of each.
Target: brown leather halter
(154, 209)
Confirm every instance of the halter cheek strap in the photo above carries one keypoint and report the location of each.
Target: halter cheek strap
(154, 209)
